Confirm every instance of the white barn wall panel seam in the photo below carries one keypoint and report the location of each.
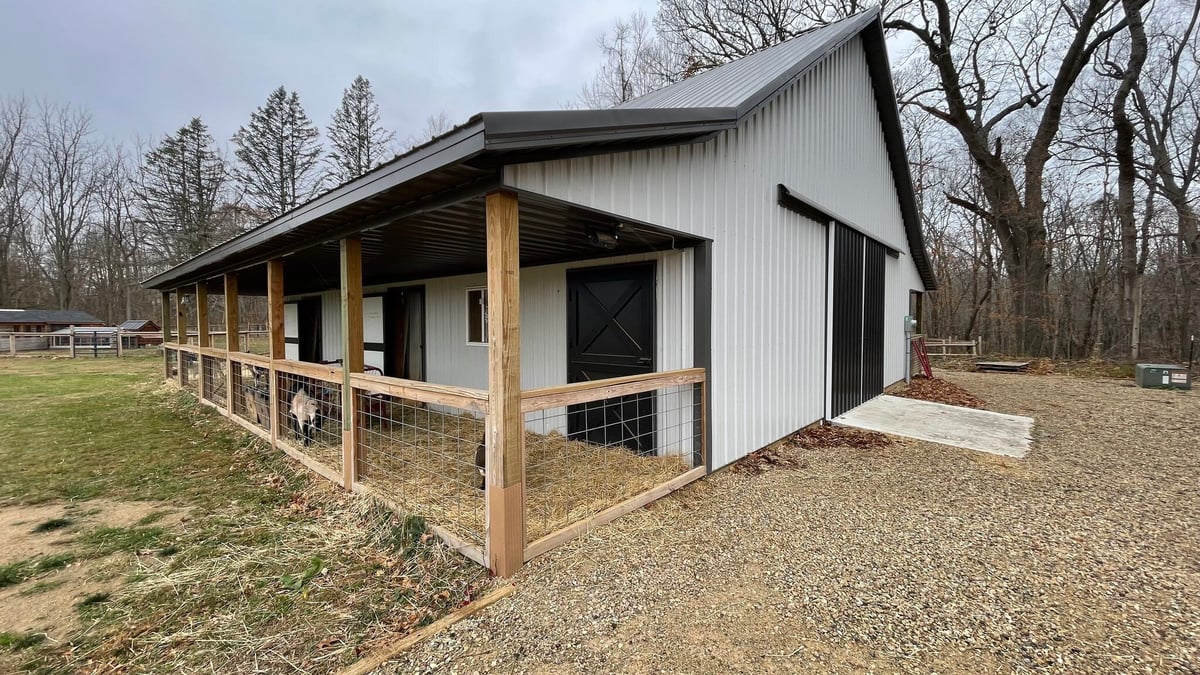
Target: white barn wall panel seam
(821, 137)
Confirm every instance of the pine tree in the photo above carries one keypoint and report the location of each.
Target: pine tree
(279, 155)
(358, 143)
(181, 185)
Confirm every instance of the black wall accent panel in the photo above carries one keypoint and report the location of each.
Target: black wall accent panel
(846, 384)
(874, 261)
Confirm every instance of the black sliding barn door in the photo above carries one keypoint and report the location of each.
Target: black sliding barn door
(610, 333)
(858, 296)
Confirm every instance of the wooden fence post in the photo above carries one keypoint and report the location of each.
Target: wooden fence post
(505, 423)
(166, 333)
(12, 345)
(352, 353)
(232, 342)
(71, 341)
(277, 353)
(203, 338)
(119, 346)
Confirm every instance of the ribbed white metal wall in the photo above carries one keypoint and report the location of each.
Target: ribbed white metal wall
(822, 138)
(450, 360)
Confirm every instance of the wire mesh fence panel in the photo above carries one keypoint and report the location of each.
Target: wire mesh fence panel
(251, 393)
(191, 370)
(310, 414)
(423, 457)
(582, 459)
(214, 380)
(172, 362)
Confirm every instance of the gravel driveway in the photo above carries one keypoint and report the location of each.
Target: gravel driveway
(1083, 557)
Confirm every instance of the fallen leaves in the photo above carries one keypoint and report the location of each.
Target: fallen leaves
(783, 455)
(938, 390)
(822, 435)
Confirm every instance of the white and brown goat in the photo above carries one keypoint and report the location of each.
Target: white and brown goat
(306, 411)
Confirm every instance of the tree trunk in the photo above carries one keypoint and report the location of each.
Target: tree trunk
(1189, 266)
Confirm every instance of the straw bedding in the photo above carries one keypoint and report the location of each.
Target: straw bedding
(425, 461)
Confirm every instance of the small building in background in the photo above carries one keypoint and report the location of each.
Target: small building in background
(44, 320)
(142, 326)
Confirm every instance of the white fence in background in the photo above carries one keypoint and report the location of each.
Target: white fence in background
(101, 341)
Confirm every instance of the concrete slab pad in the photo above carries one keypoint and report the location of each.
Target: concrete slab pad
(982, 430)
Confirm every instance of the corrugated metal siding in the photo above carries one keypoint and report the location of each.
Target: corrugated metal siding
(450, 360)
(822, 138)
(331, 315)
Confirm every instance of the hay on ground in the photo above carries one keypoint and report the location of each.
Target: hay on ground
(426, 462)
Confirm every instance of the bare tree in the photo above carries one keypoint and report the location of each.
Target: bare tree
(1168, 102)
(14, 146)
(636, 62)
(435, 125)
(703, 34)
(1127, 175)
(993, 60)
(116, 244)
(64, 181)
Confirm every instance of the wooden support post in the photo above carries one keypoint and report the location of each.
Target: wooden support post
(180, 336)
(233, 339)
(352, 354)
(277, 353)
(202, 337)
(166, 332)
(71, 341)
(275, 307)
(120, 337)
(505, 423)
(12, 345)
(233, 342)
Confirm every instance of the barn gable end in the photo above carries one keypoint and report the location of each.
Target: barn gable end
(821, 137)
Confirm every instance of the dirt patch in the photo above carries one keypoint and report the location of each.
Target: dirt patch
(60, 522)
(51, 605)
(938, 390)
(49, 602)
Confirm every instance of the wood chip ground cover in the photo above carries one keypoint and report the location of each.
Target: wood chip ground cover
(1084, 557)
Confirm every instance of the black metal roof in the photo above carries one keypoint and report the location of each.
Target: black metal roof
(137, 324)
(466, 161)
(54, 316)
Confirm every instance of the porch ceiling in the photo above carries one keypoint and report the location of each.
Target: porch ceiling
(452, 240)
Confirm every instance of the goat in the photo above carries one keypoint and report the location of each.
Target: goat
(305, 409)
(256, 393)
(481, 462)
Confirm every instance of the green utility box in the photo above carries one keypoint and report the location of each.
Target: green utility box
(1162, 376)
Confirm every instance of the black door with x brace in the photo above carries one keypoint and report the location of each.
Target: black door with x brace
(610, 333)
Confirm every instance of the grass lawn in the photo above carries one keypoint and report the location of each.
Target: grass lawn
(202, 549)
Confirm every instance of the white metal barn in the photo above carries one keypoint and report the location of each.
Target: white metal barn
(614, 302)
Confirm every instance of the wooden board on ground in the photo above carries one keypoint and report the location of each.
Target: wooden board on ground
(982, 430)
(381, 656)
(1002, 366)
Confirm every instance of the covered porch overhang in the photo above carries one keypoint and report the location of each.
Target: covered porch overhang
(451, 240)
(479, 227)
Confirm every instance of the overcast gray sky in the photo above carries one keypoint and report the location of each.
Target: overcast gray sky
(145, 67)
